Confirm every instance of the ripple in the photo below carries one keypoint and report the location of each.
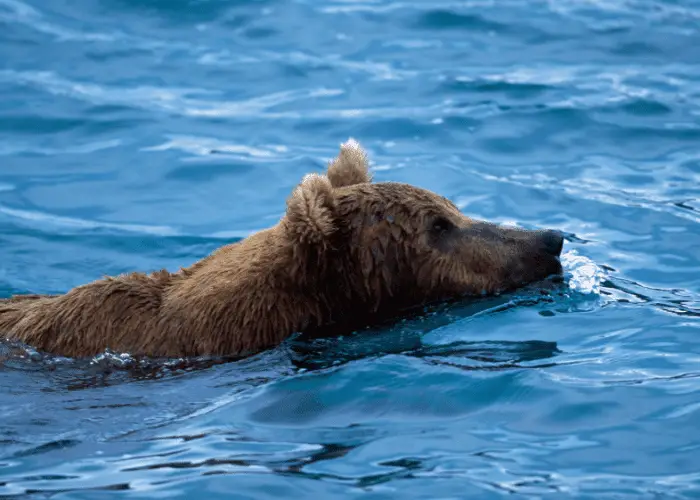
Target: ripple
(448, 19)
(13, 11)
(497, 85)
(65, 443)
(203, 146)
(344, 7)
(83, 224)
(599, 190)
(175, 100)
(15, 148)
(377, 69)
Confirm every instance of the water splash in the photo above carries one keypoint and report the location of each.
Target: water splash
(109, 359)
(584, 275)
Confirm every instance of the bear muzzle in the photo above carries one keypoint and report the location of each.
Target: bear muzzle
(552, 242)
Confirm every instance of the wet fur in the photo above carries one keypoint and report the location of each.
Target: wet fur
(347, 252)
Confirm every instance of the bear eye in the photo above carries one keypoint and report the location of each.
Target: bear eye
(441, 225)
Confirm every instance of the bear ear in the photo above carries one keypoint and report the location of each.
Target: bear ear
(350, 167)
(311, 210)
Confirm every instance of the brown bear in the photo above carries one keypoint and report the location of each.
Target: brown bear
(347, 252)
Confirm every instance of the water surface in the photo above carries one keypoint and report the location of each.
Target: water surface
(137, 135)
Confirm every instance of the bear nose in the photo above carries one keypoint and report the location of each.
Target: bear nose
(553, 242)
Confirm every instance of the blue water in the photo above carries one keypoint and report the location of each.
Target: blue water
(141, 134)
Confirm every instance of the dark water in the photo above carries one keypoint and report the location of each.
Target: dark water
(137, 134)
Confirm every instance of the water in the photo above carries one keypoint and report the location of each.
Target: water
(136, 135)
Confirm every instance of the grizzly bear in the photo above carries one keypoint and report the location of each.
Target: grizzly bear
(347, 252)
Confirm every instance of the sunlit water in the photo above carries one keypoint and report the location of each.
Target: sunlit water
(136, 135)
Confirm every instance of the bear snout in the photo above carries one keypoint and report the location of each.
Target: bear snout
(552, 242)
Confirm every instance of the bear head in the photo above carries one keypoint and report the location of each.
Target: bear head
(379, 247)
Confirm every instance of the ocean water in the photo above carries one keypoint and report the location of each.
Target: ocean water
(141, 134)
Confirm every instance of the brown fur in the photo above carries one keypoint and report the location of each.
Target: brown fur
(346, 252)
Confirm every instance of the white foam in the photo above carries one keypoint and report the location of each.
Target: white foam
(109, 358)
(585, 275)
